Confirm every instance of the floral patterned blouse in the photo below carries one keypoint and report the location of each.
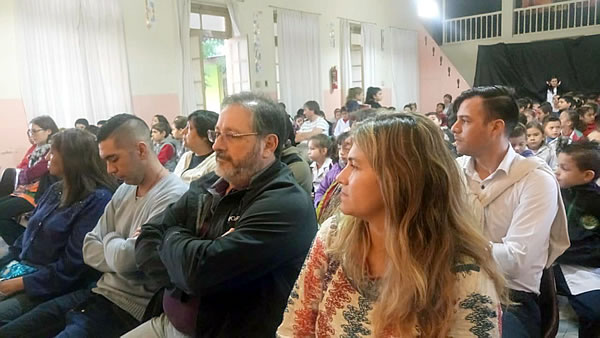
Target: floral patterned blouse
(325, 303)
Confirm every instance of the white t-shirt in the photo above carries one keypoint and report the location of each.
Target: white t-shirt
(308, 126)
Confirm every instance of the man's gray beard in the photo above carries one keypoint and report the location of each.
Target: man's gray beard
(243, 172)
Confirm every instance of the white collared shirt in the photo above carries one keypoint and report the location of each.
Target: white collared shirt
(518, 222)
(319, 173)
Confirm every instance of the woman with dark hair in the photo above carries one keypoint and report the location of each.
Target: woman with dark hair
(23, 198)
(160, 118)
(374, 96)
(47, 259)
(200, 160)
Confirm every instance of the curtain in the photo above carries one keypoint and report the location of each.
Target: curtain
(405, 66)
(74, 61)
(188, 91)
(346, 59)
(299, 58)
(371, 43)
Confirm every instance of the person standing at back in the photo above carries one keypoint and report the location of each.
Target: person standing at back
(517, 199)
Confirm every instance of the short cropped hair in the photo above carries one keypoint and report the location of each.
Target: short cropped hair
(203, 121)
(125, 127)
(267, 115)
(82, 121)
(549, 119)
(518, 131)
(586, 156)
(498, 102)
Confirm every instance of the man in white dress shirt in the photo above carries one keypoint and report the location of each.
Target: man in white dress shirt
(518, 201)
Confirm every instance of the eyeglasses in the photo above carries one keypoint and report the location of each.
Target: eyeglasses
(33, 131)
(213, 135)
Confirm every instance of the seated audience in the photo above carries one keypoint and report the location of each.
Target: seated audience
(354, 99)
(566, 103)
(82, 124)
(587, 115)
(47, 260)
(343, 124)
(290, 155)
(374, 96)
(118, 301)
(571, 125)
(229, 251)
(320, 153)
(343, 147)
(23, 199)
(396, 265)
(178, 132)
(518, 140)
(101, 123)
(449, 110)
(313, 125)
(448, 137)
(577, 274)
(543, 111)
(165, 146)
(298, 120)
(536, 142)
(595, 135)
(552, 130)
(516, 199)
(9, 175)
(200, 159)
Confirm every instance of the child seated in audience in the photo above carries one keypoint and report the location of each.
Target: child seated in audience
(518, 141)
(571, 125)
(319, 147)
(578, 272)
(164, 145)
(448, 136)
(536, 143)
(344, 143)
(552, 130)
(587, 114)
(47, 260)
(343, 124)
(543, 111)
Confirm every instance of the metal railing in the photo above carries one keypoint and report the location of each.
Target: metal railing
(556, 16)
(475, 27)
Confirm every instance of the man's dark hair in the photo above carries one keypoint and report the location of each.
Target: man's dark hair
(518, 131)
(267, 116)
(546, 107)
(570, 100)
(586, 156)
(203, 121)
(125, 126)
(82, 121)
(180, 122)
(549, 119)
(313, 106)
(441, 104)
(498, 102)
(522, 103)
(448, 96)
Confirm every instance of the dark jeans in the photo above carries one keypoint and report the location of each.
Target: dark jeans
(10, 207)
(523, 319)
(15, 306)
(586, 306)
(78, 314)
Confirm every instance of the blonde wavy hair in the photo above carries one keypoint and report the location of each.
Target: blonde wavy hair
(428, 227)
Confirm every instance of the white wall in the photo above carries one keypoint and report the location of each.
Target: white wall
(9, 80)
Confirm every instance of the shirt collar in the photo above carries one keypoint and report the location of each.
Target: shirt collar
(504, 165)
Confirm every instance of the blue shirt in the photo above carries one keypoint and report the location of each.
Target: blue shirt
(53, 241)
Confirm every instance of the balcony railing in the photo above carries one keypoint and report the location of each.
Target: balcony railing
(556, 16)
(475, 27)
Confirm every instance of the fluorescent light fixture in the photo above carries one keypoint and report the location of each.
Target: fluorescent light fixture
(428, 9)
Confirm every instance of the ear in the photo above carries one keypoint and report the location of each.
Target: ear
(498, 127)
(271, 142)
(142, 150)
(588, 175)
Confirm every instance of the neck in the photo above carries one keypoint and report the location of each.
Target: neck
(489, 161)
(320, 162)
(536, 148)
(154, 173)
(313, 118)
(377, 256)
(567, 131)
(203, 150)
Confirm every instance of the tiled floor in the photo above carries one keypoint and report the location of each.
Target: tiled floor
(568, 320)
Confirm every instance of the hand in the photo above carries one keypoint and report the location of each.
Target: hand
(137, 232)
(228, 232)
(12, 286)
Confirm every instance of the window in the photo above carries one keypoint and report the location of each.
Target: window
(356, 57)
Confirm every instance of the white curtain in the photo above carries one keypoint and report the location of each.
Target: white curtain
(187, 89)
(345, 59)
(371, 43)
(299, 58)
(405, 66)
(74, 61)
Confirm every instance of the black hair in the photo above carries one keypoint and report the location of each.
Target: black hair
(535, 124)
(290, 132)
(161, 118)
(46, 123)
(549, 119)
(586, 156)
(546, 107)
(312, 106)
(518, 131)
(203, 121)
(448, 96)
(324, 141)
(522, 103)
(522, 118)
(118, 121)
(82, 121)
(371, 92)
(101, 123)
(575, 119)
(440, 104)
(162, 128)
(93, 129)
(267, 116)
(570, 100)
(498, 101)
(408, 105)
(180, 122)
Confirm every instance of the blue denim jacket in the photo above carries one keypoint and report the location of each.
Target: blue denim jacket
(53, 241)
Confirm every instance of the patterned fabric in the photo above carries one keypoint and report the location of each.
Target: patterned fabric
(325, 303)
(38, 154)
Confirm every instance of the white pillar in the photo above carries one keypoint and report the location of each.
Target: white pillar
(507, 18)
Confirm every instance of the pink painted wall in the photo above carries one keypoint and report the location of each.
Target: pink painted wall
(13, 133)
(146, 106)
(434, 78)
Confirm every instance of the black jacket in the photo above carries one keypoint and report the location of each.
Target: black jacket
(242, 280)
(582, 203)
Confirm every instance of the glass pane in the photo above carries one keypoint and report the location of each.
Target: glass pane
(213, 23)
(195, 21)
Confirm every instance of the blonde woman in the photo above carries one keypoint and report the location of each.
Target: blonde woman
(406, 260)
